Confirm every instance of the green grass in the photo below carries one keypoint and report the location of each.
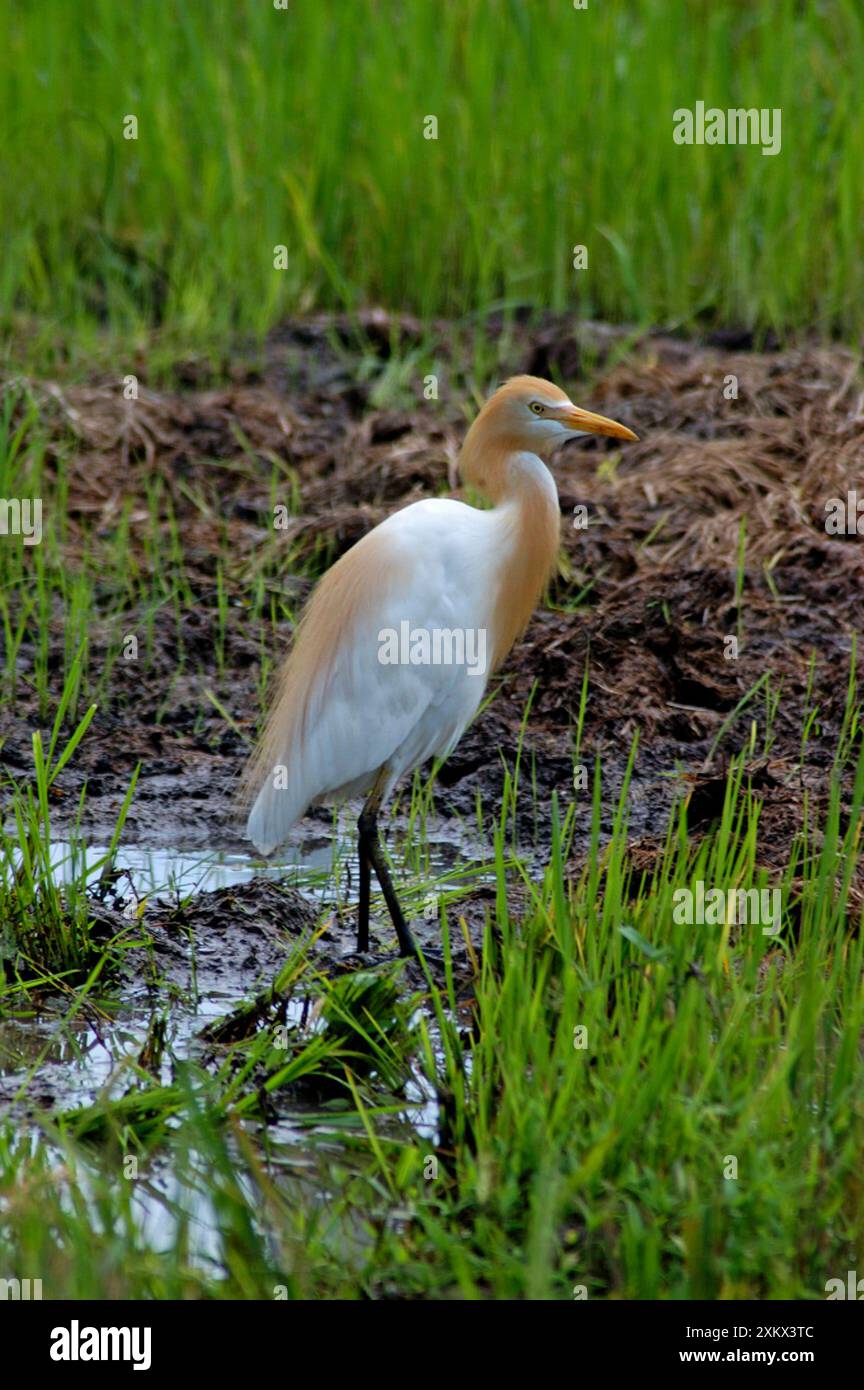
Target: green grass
(47, 937)
(304, 128)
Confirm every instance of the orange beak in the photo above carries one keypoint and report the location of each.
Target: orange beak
(585, 420)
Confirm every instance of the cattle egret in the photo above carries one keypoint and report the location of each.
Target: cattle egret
(395, 647)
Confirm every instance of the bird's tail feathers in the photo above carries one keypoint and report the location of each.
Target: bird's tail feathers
(276, 809)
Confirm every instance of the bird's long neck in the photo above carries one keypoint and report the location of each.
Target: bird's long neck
(529, 520)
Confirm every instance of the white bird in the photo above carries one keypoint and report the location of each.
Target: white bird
(395, 647)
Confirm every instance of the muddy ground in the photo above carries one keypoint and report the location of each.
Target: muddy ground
(655, 568)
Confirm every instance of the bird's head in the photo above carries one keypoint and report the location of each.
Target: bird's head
(527, 414)
(542, 416)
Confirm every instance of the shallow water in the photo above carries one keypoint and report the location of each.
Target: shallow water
(308, 859)
(177, 872)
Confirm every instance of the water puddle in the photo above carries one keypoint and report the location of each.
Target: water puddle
(179, 873)
(310, 860)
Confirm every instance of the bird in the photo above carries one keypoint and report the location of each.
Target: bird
(395, 647)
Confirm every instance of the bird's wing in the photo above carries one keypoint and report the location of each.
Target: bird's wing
(340, 713)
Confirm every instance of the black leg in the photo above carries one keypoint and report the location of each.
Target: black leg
(365, 877)
(372, 854)
(382, 873)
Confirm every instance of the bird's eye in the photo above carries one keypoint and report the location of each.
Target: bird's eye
(537, 408)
